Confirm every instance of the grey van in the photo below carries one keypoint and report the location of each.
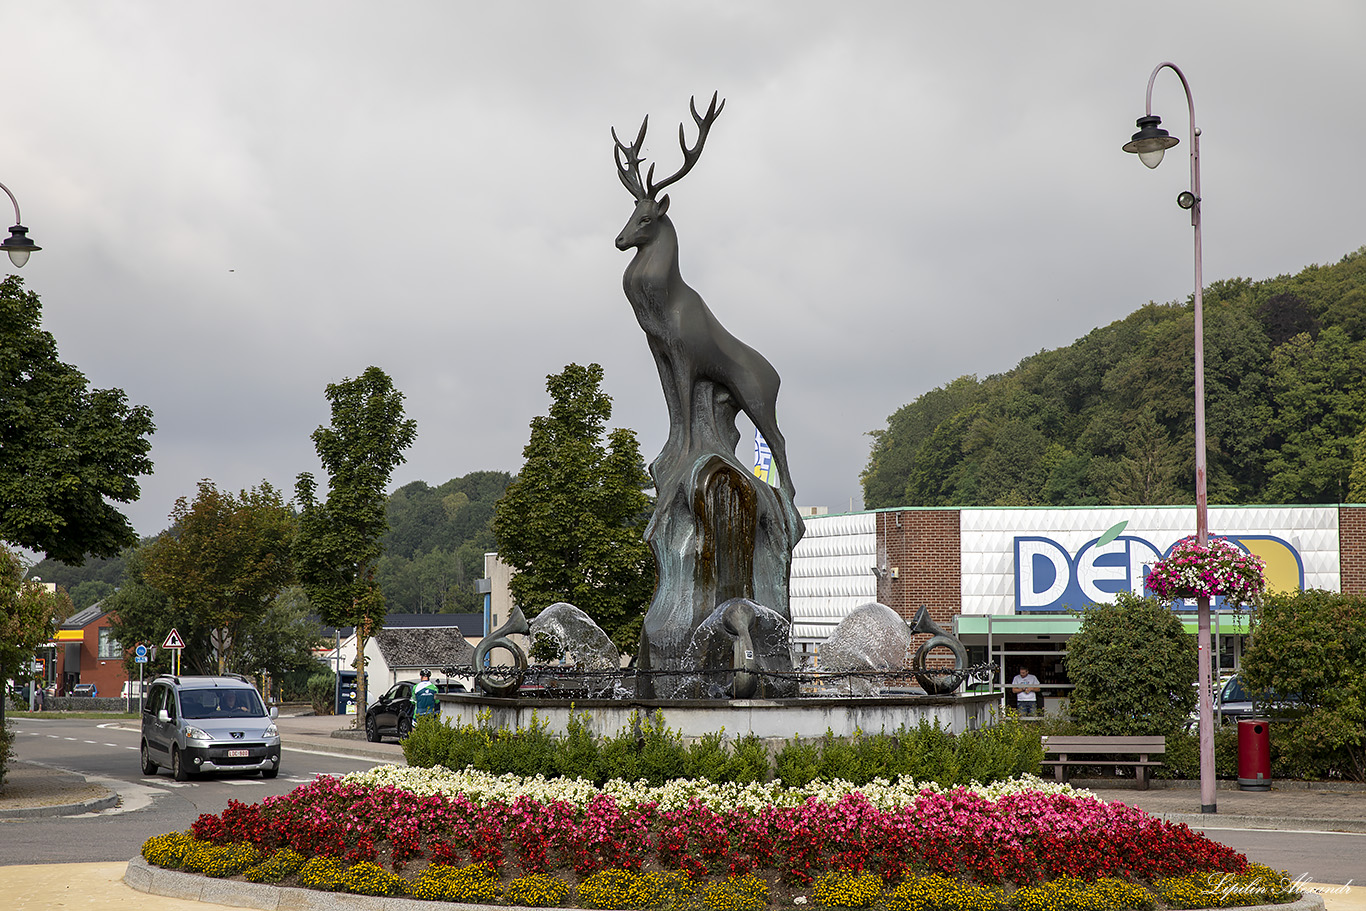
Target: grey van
(208, 724)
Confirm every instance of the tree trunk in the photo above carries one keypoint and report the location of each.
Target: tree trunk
(362, 629)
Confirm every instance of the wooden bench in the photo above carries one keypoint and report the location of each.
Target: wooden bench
(1083, 751)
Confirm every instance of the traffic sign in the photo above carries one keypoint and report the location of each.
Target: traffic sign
(140, 659)
(141, 651)
(173, 641)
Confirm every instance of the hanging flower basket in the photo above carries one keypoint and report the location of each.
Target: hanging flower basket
(1219, 568)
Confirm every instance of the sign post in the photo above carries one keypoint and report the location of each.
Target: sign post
(173, 641)
(140, 656)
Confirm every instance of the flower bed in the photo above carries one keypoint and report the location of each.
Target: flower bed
(467, 836)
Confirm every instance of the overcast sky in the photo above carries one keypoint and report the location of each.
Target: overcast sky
(241, 203)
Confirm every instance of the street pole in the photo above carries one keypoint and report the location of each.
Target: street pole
(1150, 142)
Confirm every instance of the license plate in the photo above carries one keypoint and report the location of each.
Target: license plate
(234, 754)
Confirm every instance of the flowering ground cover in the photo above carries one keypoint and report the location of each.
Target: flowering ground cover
(1026, 845)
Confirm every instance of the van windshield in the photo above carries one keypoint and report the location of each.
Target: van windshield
(232, 702)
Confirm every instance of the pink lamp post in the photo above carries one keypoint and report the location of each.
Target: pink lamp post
(1149, 143)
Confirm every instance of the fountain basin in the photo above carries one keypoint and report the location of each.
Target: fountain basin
(773, 720)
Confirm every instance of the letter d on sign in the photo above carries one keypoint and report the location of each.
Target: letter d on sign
(1043, 571)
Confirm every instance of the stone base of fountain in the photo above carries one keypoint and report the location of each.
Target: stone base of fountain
(773, 720)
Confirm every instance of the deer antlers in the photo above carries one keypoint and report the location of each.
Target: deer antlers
(629, 170)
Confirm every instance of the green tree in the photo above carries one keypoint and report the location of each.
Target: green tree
(141, 614)
(1134, 669)
(67, 448)
(224, 559)
(571, 524)
(1320, 390)
(29, 614)
(1312, 645)
(85, 594)
(281, 641)
(339, 539)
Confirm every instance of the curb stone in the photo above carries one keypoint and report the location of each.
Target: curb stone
(1263, 823)
(191, 886)
(93, 805)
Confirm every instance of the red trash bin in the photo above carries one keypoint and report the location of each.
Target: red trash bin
(1254, 754)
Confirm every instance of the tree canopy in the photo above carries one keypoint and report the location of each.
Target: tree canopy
(1134, 669)
(1110, 418)
(572, 522)
(67, 448)
(339, 539)
(29, 614)
(434, 548)
(224, 559)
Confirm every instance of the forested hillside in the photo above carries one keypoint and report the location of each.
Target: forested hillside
(433, 553)
(1110, 418)
(435, 547)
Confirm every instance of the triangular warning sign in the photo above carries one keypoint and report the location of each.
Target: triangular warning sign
(173, 641)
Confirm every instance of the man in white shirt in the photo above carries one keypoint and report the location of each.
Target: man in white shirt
(1025, 686)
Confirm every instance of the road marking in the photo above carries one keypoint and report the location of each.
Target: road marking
(241, 783)
(72, 739)
(114, 745)
(93, 743)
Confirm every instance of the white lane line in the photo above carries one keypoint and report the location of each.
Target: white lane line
(72, 739)
(114, 745)
(92, 743)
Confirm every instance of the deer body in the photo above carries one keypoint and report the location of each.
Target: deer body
(688, 342)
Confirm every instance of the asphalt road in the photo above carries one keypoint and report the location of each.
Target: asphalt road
(107, 753)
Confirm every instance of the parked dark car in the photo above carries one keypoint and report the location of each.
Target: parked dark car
(391, 715)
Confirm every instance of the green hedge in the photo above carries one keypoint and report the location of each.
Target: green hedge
(647, 749)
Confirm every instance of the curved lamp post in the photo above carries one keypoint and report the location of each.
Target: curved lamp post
(17, 245)
(1149, 143)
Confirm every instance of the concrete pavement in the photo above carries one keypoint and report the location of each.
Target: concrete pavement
(39, 790)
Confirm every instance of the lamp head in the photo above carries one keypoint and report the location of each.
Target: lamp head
(18, 246)
(1150, 141)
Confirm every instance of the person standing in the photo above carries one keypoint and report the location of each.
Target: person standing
(424, 695)
(1025, 686)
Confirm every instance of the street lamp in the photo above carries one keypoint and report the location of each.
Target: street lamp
(17, 245)
(1149, 143)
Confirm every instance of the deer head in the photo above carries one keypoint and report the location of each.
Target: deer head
(643, 225)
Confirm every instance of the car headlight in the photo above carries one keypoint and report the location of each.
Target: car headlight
(271, 731)
(194, 733)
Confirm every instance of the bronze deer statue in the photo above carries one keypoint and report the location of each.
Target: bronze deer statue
(688, 342)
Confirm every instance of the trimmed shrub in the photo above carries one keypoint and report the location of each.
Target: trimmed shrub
(736, 893)
(1068, 893)
(1312, 645)
(939, 893)
(167, 850)
(842, 889)
(282, 863)
(540, 890)
(470, 883)
(323, 872)
(1133, 666)
(367, 878)
(322, 693)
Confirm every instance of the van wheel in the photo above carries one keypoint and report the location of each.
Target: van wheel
(178, 766)
(148, 766)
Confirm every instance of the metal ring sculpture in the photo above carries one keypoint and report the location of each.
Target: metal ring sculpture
(502, 682)
(937, 683)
